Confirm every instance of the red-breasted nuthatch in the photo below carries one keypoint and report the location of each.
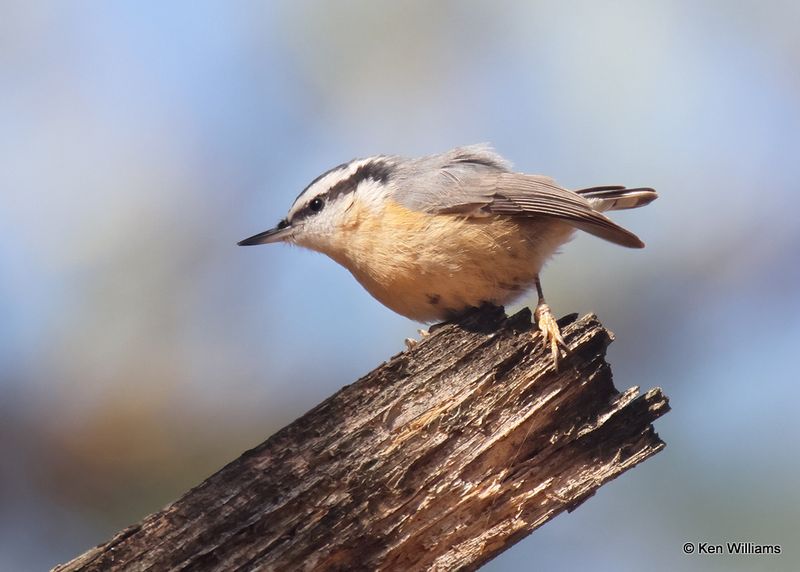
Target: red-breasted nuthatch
(434, 236)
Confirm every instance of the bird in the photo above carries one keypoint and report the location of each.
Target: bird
(436, 236)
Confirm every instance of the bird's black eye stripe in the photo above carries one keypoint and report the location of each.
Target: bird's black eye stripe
(377, 169)
(316, 204)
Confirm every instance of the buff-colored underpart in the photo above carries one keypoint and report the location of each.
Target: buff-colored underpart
(429, 267)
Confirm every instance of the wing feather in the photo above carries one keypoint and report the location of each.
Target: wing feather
(476, 182)
(519, 194)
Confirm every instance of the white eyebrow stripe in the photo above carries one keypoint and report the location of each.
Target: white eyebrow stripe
(327, 181)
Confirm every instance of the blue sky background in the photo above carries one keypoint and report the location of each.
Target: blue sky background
(140, 350)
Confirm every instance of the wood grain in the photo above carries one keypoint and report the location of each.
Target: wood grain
(439, 459)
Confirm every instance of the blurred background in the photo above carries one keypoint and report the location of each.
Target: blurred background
(140, 349)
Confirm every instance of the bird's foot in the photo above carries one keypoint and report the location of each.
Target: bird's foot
(551, 333)
(411, 343)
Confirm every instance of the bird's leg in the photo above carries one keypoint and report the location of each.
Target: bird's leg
(548, 326)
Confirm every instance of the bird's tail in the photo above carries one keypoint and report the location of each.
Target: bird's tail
(616, 197)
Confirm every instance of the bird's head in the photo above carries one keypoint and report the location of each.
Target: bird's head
(324, 207)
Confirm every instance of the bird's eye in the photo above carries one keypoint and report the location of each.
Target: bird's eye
(316, 205)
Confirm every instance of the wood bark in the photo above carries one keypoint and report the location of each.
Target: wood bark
(441, 458)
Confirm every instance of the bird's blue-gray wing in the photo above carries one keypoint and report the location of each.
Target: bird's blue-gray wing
(474, 181)
(518, 194)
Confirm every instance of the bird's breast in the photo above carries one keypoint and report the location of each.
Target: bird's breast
(431, 266)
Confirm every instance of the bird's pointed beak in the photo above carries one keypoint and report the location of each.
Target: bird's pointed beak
(277, 234)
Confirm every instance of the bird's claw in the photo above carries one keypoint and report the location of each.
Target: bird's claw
(551, 334)
(412, 343)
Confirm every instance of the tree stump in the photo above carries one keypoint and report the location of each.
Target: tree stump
(439, 459)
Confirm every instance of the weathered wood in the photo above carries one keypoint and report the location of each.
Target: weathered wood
(441, 458)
